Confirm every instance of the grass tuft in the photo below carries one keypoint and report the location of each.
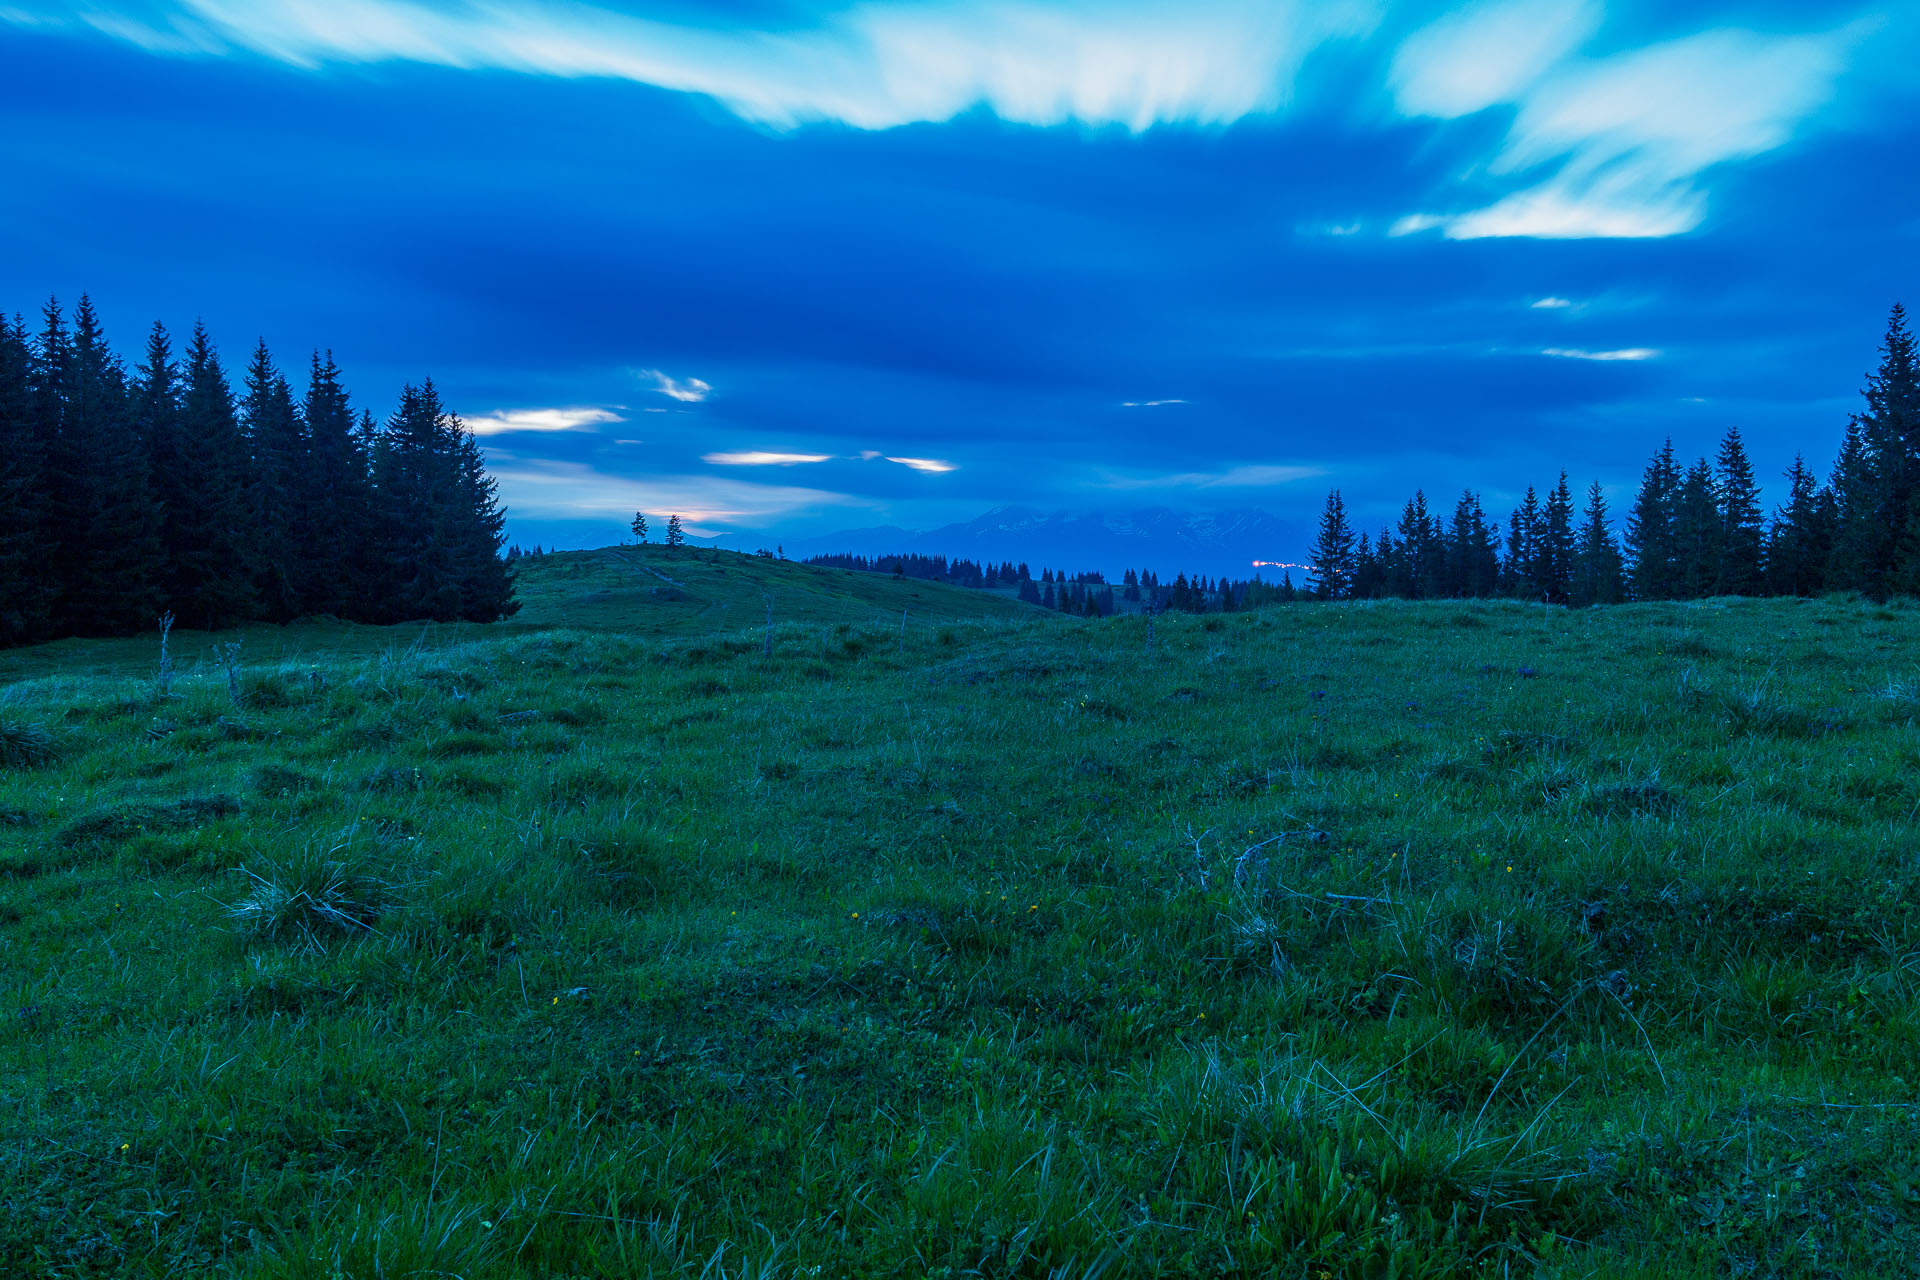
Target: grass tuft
(319, 892)
(26, 746)
(1901, 698)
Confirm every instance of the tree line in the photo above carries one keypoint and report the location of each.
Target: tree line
(1086, 593)
(1693, 531)
(128, 493)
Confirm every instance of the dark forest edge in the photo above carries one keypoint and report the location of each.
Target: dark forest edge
(129, 494)
(1690, 533)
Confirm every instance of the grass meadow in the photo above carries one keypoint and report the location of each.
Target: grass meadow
(1403, 940)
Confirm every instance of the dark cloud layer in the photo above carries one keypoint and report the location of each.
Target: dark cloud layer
(967, 290)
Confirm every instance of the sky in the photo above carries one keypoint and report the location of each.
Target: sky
(785, 267)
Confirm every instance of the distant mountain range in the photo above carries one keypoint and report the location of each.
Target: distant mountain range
(1157, 538)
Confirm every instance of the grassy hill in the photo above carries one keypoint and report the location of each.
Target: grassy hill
(638, 591)
(1397, 940)
(654, 592)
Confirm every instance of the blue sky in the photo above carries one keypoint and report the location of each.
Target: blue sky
(787, 267)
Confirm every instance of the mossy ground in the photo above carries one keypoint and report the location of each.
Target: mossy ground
(1405, 940)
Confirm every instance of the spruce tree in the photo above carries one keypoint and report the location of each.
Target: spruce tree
(1390, 572)
(1876, 482)
(1473, 551)
(1422, 560)
(156, 395)
(1597, 575)
(417, 488)
(1524, 563)
(106, 522)
(1332, 555)
(1698, 532)
(26, 597)
(277, 488)
(486, 583)
(676, 537)
(438, 527)
(335, 535)
(209, 530)
(1555, 556)
(156, 402)
(1858, 538)
(1740, 521)
(1369, 577)
(1652, 546)
(49, 374)
(1799, 544)
(1892, 426)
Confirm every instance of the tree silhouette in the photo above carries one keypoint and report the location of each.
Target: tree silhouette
(1332, 555)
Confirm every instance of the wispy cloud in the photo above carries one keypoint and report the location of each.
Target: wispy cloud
(505, 420)
(1247, 476)
(1626, 353)
(773, 458)
(1607, 137)
(1132, 62)
(1414, 223)
(1619, 206)
(1622, 140)
(562, 489)
(1487, 53)
(689, 391)
(763, 458)
(1147, 404)
(1552, 304)
(932, 466)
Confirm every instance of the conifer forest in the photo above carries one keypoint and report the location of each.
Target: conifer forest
(164, 489)
(1693, 531)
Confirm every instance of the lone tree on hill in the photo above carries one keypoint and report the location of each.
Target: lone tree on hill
(675, 538)
(640, 526)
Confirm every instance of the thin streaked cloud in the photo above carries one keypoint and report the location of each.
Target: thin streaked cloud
(503, 421)
(763, 458)
(1625, 353)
